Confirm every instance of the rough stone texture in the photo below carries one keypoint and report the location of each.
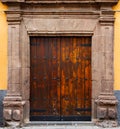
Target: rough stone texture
(85, 18)
(102, 112)
(60, 25)
(107, 123)
(117, 94)
(2, 94)
(106, 110)
(13, 112)
(7, 114)
(112, 114)
(17, 115)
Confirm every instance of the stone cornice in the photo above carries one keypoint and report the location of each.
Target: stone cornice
(17, 8)
(60, 1)
(14, 18)
(12, 1)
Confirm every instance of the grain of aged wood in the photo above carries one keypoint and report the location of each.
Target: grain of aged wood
(60, 78)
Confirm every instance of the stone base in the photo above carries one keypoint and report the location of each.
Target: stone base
(107, 110)
(107, 123)
(13, 112)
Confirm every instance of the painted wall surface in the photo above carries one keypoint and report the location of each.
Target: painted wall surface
(3, 48)
(117, 47)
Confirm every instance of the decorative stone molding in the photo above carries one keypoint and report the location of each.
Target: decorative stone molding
(61, 1)
(64, 18)
(11, 1)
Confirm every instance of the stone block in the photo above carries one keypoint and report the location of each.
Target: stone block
(108, 36)
(60, 25)
(26, 112)
(14, 89)
(112, 113)
(96, 73)
(25, 83)
(16, 115)
(15, 40)
(7, 114)
(24, 48)
(9, 61)
(96, 87)
(108, 66)
(107, 85)
(9, 76)
(15, 62)
(9, 41)
(101, 112)
(94, 113)
(15, 76)
(97, 43)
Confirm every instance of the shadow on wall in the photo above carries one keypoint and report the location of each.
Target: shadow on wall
(2, 94)
(117, 94)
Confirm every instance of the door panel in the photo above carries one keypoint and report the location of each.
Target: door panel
(45, 92)
(60, 78)
(75, 78)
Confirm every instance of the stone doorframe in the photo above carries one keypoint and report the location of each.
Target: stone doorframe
(27, 18)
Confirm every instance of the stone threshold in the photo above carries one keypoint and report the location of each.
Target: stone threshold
(50, 123)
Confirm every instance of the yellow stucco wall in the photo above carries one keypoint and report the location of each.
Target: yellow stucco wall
(117, 48)
(3, 48)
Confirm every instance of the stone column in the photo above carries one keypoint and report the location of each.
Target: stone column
(106, 101)
(13, 104)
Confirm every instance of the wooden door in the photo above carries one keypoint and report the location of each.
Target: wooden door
(60, 78)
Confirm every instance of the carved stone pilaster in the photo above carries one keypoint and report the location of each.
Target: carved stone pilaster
(13, 103)
(106, 101)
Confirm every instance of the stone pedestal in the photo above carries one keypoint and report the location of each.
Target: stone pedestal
(14, 112)
(107, 110)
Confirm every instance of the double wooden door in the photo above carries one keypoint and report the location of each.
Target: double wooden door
(60, 78)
